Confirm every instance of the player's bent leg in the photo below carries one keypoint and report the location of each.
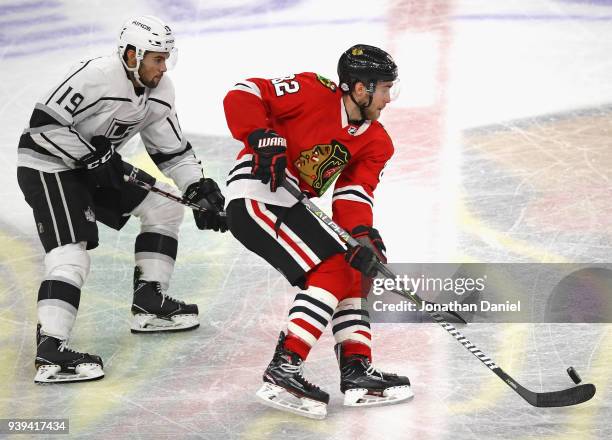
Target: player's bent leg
(312, 308)
(284, 385)
(295, 243)
(156, 247)
(66, 269)
(309, 314)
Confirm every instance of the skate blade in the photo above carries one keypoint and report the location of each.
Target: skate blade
(83, 372)
(391, 396)
(146, 323)
(278, 398)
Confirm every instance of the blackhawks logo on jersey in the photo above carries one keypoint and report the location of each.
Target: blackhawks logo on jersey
(327, 83)
(320, 165)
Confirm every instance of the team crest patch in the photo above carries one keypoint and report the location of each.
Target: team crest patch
(321, 165)
(89, 215)
(119, 130)
(327, 83)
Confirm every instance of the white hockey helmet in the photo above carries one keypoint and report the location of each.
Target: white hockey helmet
(146, 33)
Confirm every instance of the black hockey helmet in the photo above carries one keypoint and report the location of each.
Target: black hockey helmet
(366, 64)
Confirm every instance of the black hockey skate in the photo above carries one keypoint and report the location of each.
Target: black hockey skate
(56, 363)
(364, 385)
(155, 311)
(286, 389)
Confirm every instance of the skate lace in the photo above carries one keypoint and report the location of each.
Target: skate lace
(165, 296)
(298, 370)
(293, 369)
(64, 347)
(371, 371)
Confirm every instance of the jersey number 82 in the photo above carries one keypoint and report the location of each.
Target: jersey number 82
(285, 85)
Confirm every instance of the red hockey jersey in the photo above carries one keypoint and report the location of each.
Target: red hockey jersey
(307, 109)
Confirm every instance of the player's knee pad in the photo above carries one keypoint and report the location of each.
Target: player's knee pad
(352, 304)
(159, 214)
(69, 262)
(334, 275)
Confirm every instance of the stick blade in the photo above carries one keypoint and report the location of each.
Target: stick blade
(569, 397)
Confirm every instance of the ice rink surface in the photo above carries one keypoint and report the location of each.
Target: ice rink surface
(502, 135)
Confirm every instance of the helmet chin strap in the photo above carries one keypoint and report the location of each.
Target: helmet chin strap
(133, 70)
(361, 107)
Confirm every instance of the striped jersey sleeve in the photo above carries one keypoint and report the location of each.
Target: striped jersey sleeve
(257, 102)
(51, 142)
(166, 143)
(353, 197)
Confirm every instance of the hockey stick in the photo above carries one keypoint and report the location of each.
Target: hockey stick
(133, 179)
(567, 397)
(351, 242)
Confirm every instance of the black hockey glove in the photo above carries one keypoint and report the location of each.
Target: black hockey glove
(207, 194)
(104, 166)
(368, 253)
(371, 238)
(269, 159)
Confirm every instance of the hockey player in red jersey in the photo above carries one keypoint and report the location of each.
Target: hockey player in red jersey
(307, 130)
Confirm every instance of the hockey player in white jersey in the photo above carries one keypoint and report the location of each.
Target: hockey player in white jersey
(72, 175)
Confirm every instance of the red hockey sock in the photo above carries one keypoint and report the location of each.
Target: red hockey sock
(296, 345)
(350, 348)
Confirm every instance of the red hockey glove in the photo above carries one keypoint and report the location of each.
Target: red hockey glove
(269, 159)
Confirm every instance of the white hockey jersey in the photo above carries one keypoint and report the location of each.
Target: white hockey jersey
(97, 98)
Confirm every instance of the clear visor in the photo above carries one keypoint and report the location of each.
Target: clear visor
(172, 59)
(169, 60)
(388, 90)
(396, 88)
